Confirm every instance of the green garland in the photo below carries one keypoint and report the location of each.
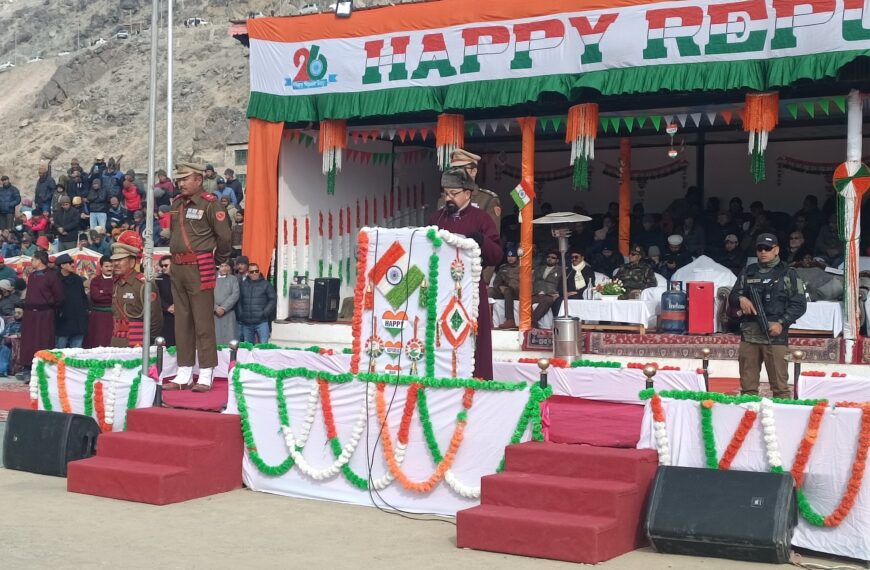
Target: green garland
(428, 432)
(595, 364)
(94, 374)
(432, 302)
(133, 396)
(300, 372)
(488, 385)
(43, 385)
(648, 393)
(709, 437)
(531, 414)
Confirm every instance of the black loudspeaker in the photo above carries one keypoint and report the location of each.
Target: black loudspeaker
(44, 442)
(326, 298)
(743, 515)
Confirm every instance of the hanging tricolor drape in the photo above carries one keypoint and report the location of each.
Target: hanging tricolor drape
(332, 139)
(581, 131)
(760, 116)
(449, 135)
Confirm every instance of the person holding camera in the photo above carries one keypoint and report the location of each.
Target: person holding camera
(768, 298)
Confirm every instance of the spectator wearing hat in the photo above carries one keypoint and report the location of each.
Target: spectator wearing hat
(222, 191)
(731, 256)
(98, 204)
(231, 210)
(60, 192)
(164, 189)
(163, 217)
(42, 244)
(100, 242)
(28, 248)
(118, 215)
(654, 256)
(648, 235)
(10, 197)
(606, 260)
(44, 297)
(45, 188)
(675, 258)
(233, 182)
(506, 285)
(241, 268)
(209, 179)
(200, 239)
(100, 292)
(66, 224)
(783, 298)
(98, 168)
(636, 275)
(459, 216)
(9, 298)
(71, 321)
(128, 294)
(111, 179)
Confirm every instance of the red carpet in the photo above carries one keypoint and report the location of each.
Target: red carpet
(565, 502)
(213, 401)
(593, 422)
(165, 456)
(9, 400)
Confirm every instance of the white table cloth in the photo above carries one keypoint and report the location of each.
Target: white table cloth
(637, 312)
(848, 389)
(822, 316)
(829, 467)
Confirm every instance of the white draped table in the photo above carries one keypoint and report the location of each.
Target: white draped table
(828, 471)
(822, 316)
(834, 389)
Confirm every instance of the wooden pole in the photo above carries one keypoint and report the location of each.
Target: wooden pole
(624, 195)
(527, 125)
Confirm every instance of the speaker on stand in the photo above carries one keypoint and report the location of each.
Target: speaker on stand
(326, 298)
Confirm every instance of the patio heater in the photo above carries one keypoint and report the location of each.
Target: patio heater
(567, 335)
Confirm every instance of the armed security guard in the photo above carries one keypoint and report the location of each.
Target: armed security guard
(768, 293)
(200, 238)
(637, 274)
(128, 294)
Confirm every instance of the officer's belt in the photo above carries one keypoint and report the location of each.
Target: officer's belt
(188, 258)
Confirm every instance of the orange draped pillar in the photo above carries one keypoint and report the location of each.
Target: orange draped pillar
(261, 191)
(527, 243)
(624, 195)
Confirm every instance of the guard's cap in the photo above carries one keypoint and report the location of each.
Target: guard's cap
(461, 157)
(129, 244)
(767, 239)
(185, 169)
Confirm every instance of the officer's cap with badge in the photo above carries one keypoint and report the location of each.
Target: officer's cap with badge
(636, 249)
(129, 244)
(185, 169)
(461, 158)
(768, 240)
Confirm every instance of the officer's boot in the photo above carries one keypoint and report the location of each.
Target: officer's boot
(182, 381)
(203, 384)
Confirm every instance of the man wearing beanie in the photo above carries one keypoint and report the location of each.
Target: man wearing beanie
(460, 217)
(783, 301)
(128, 294)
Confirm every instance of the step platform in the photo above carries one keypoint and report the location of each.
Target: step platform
(165, 456)
(577, 503)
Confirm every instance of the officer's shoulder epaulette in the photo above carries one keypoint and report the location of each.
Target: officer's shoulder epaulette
(488, 192)
(140, 277)
(209, 196)
(176, 198)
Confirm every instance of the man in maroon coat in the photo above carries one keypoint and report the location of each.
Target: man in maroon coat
(100, 292)
(44, 295)
(460, 216)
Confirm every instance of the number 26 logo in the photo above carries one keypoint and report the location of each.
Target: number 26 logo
(310, 64)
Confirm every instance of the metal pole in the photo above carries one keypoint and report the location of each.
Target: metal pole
(158, 392)
(169, 56)
(705, 354)
(797, 356)
(851, 228)
(649, 371)
(544, 365)
(148, 234)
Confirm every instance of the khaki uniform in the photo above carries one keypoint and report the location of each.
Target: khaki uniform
(128, 309)
(200, 239)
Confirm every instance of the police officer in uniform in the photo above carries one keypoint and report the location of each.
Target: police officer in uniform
(200, 239)
(637, 274)
(783, 299)
(128, 294)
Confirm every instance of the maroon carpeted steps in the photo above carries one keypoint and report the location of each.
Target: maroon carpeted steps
(165, 456)
(566, 502)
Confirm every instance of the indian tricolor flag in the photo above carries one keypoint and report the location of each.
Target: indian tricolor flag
(395, 277)
(522, 195)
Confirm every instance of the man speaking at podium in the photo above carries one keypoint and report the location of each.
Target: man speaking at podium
(458, 217)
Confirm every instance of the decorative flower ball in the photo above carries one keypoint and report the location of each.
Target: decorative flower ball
(457, 269)
(374, 347)
(415, 349)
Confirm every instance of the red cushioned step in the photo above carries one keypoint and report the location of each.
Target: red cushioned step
(529, 532)
(138, 481)
(586, 461)
(171, 450)
(562, 494)
(187, 423)
(594, 422)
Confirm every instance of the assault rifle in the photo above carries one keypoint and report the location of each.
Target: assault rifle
(755, 297)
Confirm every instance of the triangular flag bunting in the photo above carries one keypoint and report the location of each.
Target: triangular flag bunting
(543, 124)
(629, 123)
(656, 121)
(840, 102)
(696, 118)
(641, 122)
(711, 117)
(792, 110)
(506, 124)
(614, 122)
(682, 119)
(411, 134)
(825, 105)
(493, 126)
(740, 114)
(392, 133)
(726, 116)
(809, 107)
(557, 123)
(669, 119)
(605, 124)
(403, 134)
(424, 133)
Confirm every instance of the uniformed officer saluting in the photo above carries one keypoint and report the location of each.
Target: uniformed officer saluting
(128, 294)
(200, 239)
(783, 301)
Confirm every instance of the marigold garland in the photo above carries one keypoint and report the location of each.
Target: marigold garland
(743, 429)
(811, 433)
(432, 302)
(133, 396)
(358, 294)
(53, 358)
(100, 407)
